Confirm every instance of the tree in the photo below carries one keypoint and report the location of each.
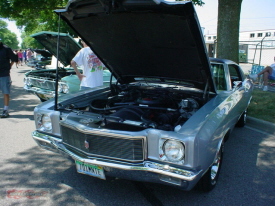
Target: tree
(228, 29)
(29, 42)
(7, 37)
(30, 15)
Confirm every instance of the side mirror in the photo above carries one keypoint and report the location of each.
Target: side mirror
(237, 83)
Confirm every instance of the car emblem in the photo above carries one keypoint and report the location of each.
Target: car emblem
(86, 144)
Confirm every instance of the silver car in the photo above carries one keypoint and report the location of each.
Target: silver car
(168, 116)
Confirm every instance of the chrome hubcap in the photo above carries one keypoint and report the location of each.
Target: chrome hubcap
(244, 118)
(215, 167)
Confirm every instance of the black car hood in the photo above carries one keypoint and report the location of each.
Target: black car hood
(68, 47)
(145, 38)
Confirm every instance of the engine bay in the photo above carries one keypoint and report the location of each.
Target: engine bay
(51, 74)
(135, 108)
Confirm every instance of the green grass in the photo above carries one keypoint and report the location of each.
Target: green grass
(262, 105)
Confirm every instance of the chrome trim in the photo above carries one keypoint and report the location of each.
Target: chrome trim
(82, 129)
(48, 93)
(104, 156)
(146, 166)
(48, 90)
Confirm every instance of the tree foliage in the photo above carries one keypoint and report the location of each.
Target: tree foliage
(7, 37)
(29, 13)
(29, 42)
(33, 16)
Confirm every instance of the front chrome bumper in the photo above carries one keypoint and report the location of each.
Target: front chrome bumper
(47, 94)
(55, 144)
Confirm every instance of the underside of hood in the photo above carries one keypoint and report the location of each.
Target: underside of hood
(146, 38)
(43, 52)
(68, 47)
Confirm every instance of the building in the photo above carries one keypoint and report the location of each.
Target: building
(255, 47)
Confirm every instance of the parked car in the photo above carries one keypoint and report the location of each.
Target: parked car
(44, 60)
(42, 81)
(167, 118)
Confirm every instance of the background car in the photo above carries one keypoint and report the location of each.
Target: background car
(42, 81)
(44, 59)
(172, 109)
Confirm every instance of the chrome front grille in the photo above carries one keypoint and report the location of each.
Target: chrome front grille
(43, 83)
(119, 148)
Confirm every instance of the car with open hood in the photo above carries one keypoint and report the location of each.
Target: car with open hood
(171, 110)
(45, 59)
(42, 81)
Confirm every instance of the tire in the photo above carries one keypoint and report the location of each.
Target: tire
(210, 178)
(242, 121)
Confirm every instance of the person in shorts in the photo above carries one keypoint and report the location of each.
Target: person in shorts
(7, 59)
(268, 73)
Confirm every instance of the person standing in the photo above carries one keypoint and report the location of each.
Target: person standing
(25, 56)
(29, 55)
(7, 59)
(16, 53)
(20, 57)
(92, 68)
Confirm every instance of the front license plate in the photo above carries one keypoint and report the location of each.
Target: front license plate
(88, 169)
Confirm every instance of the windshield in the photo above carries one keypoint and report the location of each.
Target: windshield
(219, 76)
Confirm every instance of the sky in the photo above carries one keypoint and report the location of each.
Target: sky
(12, 27)
(255, 15)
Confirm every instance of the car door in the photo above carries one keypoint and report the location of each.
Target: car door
(241, 89)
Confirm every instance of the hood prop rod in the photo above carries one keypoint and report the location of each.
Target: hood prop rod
(206, 90)
(57, 57)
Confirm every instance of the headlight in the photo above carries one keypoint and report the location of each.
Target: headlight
(172, 151)
(60, 88)
(27, 81)
(65, 88)
(44, 122)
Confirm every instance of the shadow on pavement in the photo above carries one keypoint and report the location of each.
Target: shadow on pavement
(40, 169)
(247, 172)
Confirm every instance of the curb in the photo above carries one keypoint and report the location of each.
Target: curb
(261, 125)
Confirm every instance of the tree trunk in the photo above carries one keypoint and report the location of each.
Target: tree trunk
(228, 29)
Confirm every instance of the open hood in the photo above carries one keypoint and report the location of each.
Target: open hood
(68, 47)
(43, 52)
(145, 38)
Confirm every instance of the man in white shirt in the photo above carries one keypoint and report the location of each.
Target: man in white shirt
(92, 68)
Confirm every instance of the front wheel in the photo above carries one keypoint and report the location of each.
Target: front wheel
(210, 178)
(242, 121)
